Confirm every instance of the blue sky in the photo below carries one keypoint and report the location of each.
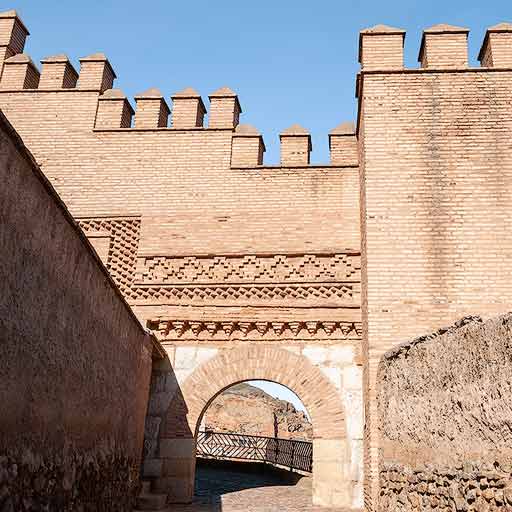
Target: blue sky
(290, 61)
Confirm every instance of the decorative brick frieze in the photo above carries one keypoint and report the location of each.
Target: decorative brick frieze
(309, 294)
(307, 278)
(276, 279)
(249, 329)
(279, 268)
(239, 280)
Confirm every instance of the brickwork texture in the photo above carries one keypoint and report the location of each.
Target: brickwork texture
(436, 175)
(406, 228)
(211, 248)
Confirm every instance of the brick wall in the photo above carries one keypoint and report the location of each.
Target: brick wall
(182, 183)
(436, 175)
(212, 248)
(75, 361)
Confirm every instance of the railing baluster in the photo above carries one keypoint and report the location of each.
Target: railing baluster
(270, 450)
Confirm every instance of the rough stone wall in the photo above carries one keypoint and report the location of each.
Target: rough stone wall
(75, 361)
(211, 254)
(445, 410)
(436, 177)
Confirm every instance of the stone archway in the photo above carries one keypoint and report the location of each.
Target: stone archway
(332, 485)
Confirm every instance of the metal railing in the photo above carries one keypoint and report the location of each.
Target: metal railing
(272, 450)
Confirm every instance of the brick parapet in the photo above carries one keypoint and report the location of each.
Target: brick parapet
(444, 46)
(13, 34)
(57, 73)
(188, 109)
(496, 50)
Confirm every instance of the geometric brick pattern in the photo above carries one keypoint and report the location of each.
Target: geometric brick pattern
(278, 268)
(341, 293)
(181, 273)
(189, 279)
(124, 234)
(232, 254)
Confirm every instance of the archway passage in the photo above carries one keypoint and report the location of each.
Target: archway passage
(245, 423)
(254, 445)
(332, 485)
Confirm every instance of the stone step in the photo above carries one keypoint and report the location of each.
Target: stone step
(150, 501)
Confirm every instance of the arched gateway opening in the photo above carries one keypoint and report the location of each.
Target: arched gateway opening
(332, 485)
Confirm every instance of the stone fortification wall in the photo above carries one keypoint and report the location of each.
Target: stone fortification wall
(76, 362)
(445, 410)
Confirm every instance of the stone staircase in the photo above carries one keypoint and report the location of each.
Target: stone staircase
(148, 500)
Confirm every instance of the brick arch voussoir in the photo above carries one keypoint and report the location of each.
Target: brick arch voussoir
(315, 390)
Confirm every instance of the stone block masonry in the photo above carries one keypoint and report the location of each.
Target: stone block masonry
(445, 411)
(76, 362)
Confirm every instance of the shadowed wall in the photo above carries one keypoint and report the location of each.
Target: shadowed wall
(75, 361)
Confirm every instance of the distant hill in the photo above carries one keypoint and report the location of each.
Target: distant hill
(245, 409)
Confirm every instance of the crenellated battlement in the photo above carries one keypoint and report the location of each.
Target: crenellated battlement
(496, 50)
(57, 72)
(381, 49)
(186, 111)
(13, 34)
(443, 47)
(407, 227)
(435, 154)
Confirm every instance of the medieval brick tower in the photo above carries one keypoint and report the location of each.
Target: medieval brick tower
(249, 271)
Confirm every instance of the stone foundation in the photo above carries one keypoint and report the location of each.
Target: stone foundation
(69, 482)
(478, 487)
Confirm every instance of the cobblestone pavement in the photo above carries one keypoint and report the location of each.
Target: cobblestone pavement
(248, 487)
